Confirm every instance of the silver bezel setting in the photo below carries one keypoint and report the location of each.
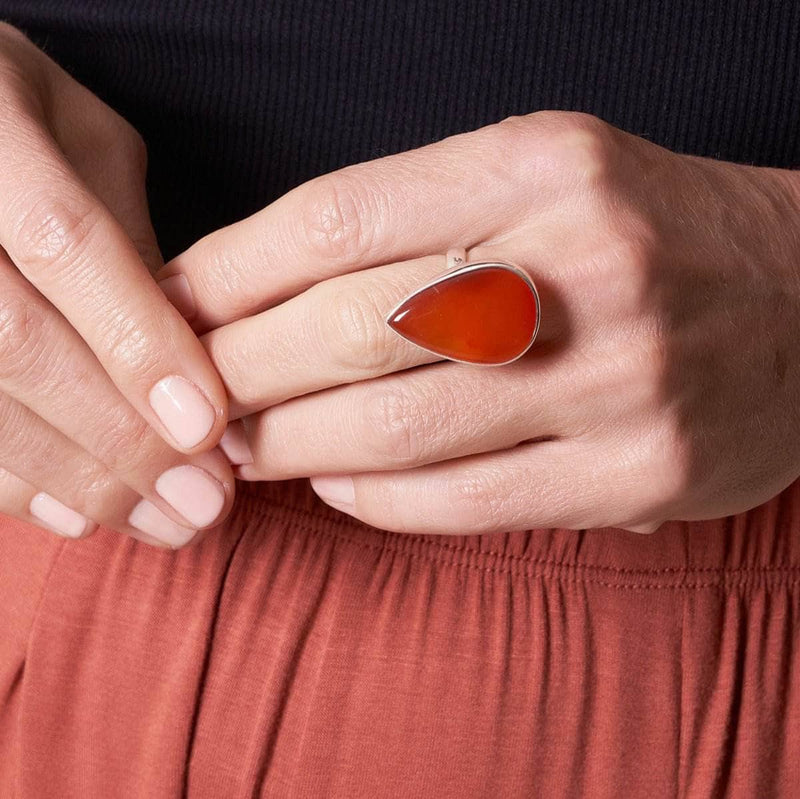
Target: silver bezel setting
(460, 270)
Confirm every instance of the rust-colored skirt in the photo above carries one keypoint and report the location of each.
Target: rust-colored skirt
(302, 654)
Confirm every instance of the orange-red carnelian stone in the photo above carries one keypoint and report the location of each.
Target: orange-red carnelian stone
(486, 315)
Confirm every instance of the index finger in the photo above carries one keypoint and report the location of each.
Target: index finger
(72, 249)
(456, 192)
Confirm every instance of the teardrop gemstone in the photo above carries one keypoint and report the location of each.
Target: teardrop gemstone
(483, 315)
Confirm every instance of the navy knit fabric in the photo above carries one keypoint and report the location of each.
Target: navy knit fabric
(240, 100)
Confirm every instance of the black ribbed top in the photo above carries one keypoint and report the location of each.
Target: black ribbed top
(239, 100)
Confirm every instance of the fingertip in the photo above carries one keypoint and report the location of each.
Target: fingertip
(217, 466)
(235, 445)
(49, 512)
(91, 529)
(174, 545)
(246, 473)
(151, 541)
(167, 270)
(193, 422)
(177, 290)
(338, 491)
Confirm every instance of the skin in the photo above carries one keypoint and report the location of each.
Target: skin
(85, 333)
(663, 383)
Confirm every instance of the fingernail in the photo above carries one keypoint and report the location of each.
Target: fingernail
(149, 519)
(58, 516)
(193, 492)
(184, 411)
(177, 290)
(337, 490)
(234, 444)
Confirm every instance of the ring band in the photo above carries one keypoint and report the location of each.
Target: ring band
(484, 313)
(456, 256)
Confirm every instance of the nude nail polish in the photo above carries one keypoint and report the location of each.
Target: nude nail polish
(149, 519)
(58, 516)
(183, 410)
(193, 493)
(234, 444)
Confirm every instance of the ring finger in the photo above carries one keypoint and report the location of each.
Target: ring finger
(331, 334)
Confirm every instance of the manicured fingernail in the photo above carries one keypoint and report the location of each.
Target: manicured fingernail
(234, 444)
(149, 519)
(177, 290)
(193, 492)
(336, 491)
(184, 411)
(58, 516)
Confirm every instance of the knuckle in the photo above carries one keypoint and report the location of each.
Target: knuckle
(22, 334)
(225, 284)
(585, 144)
(14, 430)
(354, 332)
(41, 452)
(513, 131)
(547, 122)
(477, 500)
(556, 121)
(130, 346)
(52, 233)
(513, 137)
(123, 445)
(96, 491)
(337, 222)
(563, 151)
(236, 360)
(88, 481)
(395, 425)
(589, 158)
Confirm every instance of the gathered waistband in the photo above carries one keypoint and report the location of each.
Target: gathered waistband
(758, 548)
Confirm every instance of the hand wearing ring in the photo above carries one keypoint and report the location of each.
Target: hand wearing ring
(660, 384)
